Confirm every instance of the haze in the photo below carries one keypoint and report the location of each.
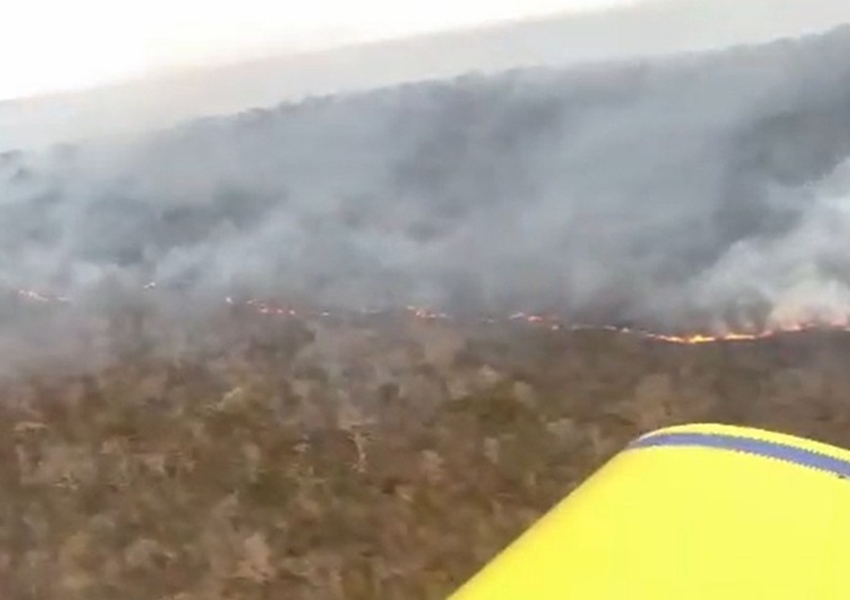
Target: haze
(679, 192)
(69, 50)
(90, 42)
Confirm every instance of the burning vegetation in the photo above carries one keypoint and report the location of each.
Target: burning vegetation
(553, 322)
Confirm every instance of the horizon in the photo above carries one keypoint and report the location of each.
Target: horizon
(67, 54)
(639, 29)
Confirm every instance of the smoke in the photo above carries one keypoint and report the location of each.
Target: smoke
(701, 189)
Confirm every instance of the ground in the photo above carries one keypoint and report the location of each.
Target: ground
(386, 457)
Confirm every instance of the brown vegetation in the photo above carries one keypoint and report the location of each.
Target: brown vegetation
(388, 458)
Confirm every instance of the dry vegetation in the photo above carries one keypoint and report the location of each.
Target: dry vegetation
(387, 458)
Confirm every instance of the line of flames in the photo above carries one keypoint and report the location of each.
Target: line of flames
(551, 322)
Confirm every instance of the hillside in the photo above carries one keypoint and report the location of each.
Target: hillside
(694, 192)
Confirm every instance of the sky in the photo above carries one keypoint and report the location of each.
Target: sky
(53, 45)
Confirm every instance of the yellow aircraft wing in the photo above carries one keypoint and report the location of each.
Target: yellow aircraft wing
(690, 512)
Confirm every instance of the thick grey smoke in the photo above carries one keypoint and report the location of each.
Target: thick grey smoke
(703, 189)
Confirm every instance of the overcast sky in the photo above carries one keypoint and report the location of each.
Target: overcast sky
(55, 45)
(47, 45)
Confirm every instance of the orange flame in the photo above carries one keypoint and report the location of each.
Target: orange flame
(553, 323)
(699, 338)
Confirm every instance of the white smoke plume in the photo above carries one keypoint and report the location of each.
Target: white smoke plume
(705, 189)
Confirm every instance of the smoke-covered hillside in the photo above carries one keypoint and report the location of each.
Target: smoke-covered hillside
(701, 190)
